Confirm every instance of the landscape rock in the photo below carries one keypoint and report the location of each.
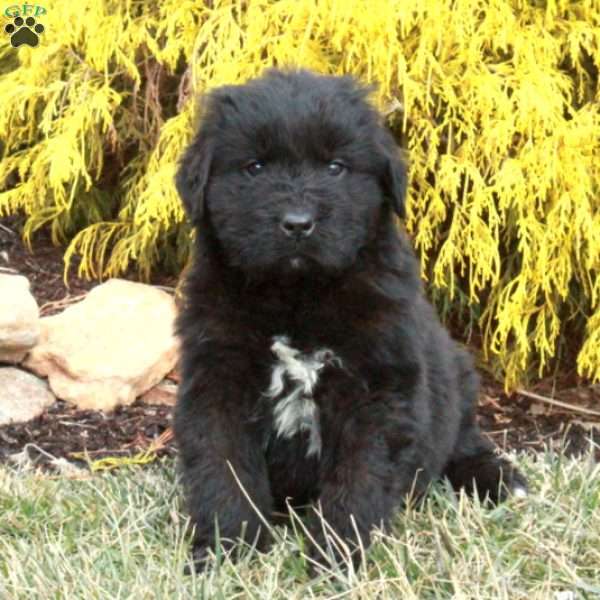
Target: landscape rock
(23, 396)
(19, 318)
(110, 348)
(164, 393)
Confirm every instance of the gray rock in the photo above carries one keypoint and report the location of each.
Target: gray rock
(23, 396)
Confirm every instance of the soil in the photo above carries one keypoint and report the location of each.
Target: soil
(526, 421)
(44, 267)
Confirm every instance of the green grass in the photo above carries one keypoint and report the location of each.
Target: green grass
(126, 535)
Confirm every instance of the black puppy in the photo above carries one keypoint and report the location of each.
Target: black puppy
(313, 368)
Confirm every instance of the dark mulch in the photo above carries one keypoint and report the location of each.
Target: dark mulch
(514, 422)
(44, 268)
(63, 432)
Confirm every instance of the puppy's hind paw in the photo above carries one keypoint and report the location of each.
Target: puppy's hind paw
(519, 491)
(488, 476)
(518, 485)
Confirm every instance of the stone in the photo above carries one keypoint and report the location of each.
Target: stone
(164, 393)
(109, 348)
(23, 396)
(19, 318)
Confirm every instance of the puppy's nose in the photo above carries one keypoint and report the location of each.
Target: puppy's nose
(297, 224)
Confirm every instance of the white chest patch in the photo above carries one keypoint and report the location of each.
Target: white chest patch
(293, 380)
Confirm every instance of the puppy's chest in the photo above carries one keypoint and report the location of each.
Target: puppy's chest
(292, 392)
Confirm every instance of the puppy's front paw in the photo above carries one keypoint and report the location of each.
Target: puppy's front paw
(200, 560)
(330, 553)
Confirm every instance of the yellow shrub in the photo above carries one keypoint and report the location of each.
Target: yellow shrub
(496, 100)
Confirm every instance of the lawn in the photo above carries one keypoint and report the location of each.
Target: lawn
(125, 535)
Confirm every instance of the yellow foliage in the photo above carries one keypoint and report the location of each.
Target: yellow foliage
(498, 102)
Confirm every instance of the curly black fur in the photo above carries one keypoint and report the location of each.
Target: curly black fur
(394, 404)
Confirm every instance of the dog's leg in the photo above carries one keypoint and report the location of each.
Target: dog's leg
(352, 502)
(477, 467)
(364, 482)
(219, 456)
(475, 464)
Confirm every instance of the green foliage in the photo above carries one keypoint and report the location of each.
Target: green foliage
(497, 102)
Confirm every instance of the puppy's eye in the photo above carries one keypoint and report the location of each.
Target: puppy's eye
(254, 167)
(336, 167)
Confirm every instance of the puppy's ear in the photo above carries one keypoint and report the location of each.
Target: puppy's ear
(394, 177)
(192, 175)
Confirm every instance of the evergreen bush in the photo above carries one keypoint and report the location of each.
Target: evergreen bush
(497, 103)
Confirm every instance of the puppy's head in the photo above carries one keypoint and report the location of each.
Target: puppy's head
(291, 172)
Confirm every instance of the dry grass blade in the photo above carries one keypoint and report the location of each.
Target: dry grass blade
(58, 305)
(125, 535)
(558, 403)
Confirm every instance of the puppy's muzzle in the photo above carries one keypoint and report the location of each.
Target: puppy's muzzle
(297, 224)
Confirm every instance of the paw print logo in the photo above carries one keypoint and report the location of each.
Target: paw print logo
(24, 31)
